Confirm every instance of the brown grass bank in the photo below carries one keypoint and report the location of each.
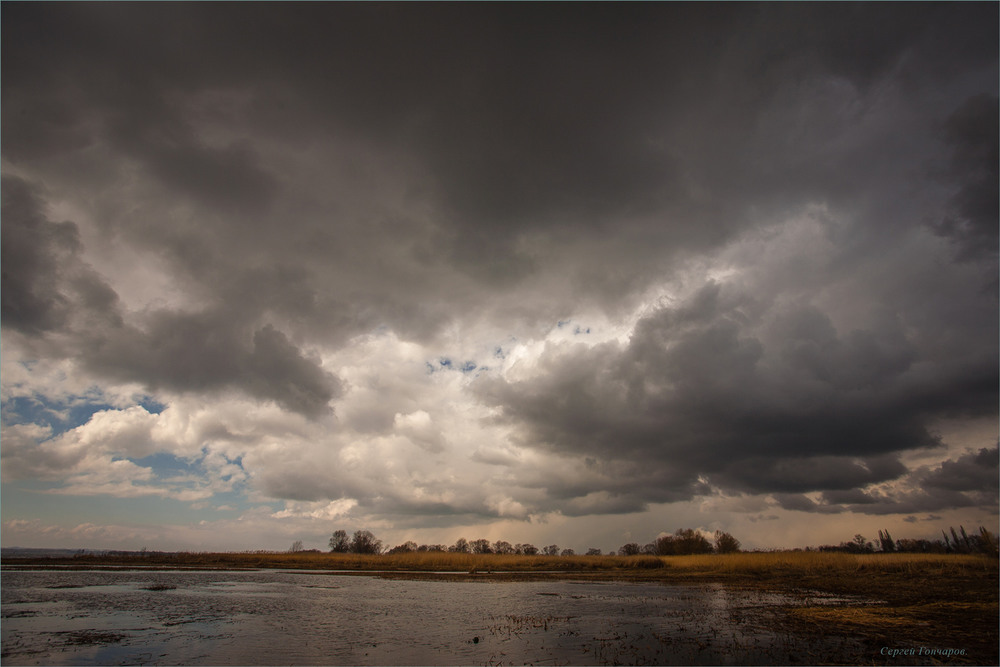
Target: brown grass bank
(910, 603)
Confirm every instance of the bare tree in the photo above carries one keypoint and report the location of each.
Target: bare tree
(593, 551)
(461, 546)
(481, 546)
(296, 546)
(364, 542)
(551, 550)
(503, 547)
(339, 543)
(690, 541)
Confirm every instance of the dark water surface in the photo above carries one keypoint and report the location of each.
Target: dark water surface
(272, 617)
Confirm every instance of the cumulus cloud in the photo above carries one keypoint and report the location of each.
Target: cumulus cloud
(756, 394)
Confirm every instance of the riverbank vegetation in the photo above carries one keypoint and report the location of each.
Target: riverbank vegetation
(770, 564)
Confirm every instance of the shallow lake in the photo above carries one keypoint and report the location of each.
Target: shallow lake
(272, 617)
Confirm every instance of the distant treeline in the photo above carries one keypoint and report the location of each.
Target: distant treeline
(684, 541)
(983, 542)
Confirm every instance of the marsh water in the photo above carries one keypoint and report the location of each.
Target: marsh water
(273, 617)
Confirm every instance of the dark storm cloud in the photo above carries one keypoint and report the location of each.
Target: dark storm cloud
(227, 177)
(972, 472)
(49, 289)
(30, 248)
(561, 118)
(973, 135)
(207, 352)
(755, 398)
(44, 280)
(971, 480)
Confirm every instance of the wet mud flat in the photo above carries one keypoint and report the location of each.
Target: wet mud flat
(269, 618)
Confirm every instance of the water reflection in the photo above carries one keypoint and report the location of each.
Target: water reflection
(267, 617)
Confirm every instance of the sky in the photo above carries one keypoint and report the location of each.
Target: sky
(552, 274)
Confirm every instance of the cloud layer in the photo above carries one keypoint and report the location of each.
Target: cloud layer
(430, 266)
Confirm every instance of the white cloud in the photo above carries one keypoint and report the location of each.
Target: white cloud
(316, 510)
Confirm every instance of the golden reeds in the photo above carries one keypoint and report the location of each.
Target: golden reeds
(750, 563)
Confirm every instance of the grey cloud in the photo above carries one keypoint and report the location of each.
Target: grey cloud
(229, 177)
(48, 288)
(277, 370)
(646, 125)
(32, 246)
(810, 345)
(790, 475)
(45, 282)
(643, 123)
(495, 457)
(971, 131)
(796, 502)
(972, 472)
(968, 481)
(207, 352)
(757, 398)
(848, 496)
(601, 504)
(918, 502)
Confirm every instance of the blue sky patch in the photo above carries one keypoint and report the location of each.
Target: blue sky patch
(151, 405)
(164, 464)
(57, 415)
(62, 416)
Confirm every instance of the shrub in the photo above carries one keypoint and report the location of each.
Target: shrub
(726, 543)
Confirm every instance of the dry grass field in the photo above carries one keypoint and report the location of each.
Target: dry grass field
(767, 564)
